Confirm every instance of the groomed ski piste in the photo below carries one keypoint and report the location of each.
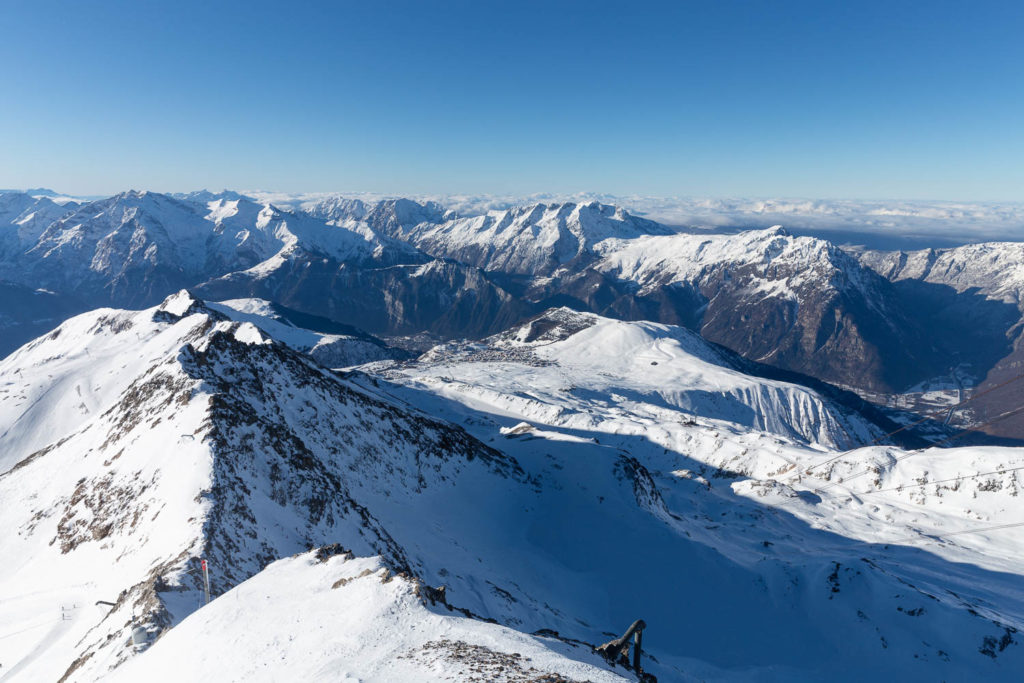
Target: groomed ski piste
(559, 481)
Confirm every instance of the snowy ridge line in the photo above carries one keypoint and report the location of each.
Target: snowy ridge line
(927, 417)
(389, 620)
(1008, 414)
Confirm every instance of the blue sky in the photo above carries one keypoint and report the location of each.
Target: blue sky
(798, 99)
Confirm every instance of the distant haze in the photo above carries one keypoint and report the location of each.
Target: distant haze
(895, 224)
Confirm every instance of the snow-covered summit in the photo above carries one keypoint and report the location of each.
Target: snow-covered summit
(206, 196)
(784, 263)
(641, 364)
(799, 303)
(533, 240)
(996, 269)
(23, 218)
(389, 216)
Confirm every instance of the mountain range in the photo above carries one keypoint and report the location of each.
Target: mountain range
(902, 329)
(407, 444)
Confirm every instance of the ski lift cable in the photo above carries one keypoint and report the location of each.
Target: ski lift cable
(29, 628)
(928, 537)
(927, 417)
(940, 481)
(830, 485)
(869, 470)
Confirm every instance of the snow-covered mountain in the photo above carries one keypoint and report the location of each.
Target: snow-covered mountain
(352, 619)
(640, 364)
(23, 217)
(388, 216)
(798, 303)
(135, 443)
(137, 247)
(995, 268)
(536, 240)
(397, 267)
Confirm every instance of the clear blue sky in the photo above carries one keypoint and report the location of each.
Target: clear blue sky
(719, 98)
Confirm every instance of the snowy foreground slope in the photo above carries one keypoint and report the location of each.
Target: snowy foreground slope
(670, 399)
(581, 490)
(135, 442)
(352, 619)
(846, 546)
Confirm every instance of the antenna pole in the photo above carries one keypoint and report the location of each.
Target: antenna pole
(206, 581)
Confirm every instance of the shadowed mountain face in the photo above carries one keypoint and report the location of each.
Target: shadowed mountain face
(26, 313)
(973, 297)
(880, 323)
(442, 298)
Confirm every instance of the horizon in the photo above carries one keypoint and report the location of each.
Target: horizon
(873, 223)
(43, 190)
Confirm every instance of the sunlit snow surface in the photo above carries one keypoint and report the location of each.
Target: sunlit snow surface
(350, 620)
(636, 475)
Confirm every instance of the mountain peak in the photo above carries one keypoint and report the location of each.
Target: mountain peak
(182, 304)
(554, 324)
(205, 196)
